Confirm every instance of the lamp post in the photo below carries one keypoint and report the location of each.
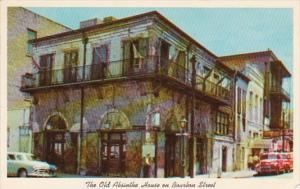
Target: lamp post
(282, 132)
(183, 123)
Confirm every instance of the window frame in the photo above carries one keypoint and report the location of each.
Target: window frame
(222, 123)
(29, 50)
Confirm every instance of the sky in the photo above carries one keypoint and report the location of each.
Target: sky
(223, 31)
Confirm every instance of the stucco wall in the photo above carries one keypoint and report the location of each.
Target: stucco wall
(18, 63)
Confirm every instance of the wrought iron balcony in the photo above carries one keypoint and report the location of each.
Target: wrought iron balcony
(278, 90)
(212, 89)
(174, 73)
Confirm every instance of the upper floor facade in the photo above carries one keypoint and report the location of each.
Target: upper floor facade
(140, 47)
(273, 69)
(272, 82)
(23, 25)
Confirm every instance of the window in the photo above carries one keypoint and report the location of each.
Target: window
(70, 66)
(216, 77)
(20, 157)
(100, 62)
(206, 71)
(46, 62)
(31, 34)
(251, 106)
(71, 58)
(239, 100)
(261, 110)
(244, 96)
(24, 130)
(11, 157)
(134, 53)
(266, 108)
(164, 53)
(256, 109)
(222, 123)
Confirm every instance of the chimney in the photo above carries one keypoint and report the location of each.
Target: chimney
(90, 22)
(109, 19)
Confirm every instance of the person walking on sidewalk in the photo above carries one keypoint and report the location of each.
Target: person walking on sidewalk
(250, 162)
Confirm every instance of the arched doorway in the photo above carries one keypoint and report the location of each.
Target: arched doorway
(55, 131)
(113, 135)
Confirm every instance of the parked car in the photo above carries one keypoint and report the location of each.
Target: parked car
(270, 163)
(26, 165)
(287, 161)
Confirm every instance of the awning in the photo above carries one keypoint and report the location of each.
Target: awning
(262, 144)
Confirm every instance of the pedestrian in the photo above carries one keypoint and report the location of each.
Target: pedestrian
(250, 162)
(255, 160)
(147, 166)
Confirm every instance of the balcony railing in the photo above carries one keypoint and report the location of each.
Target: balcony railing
(110, 70)
(123, 68)
(177, 72)
(212, 89)
(280, 90)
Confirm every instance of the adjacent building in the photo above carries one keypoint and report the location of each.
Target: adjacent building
(23, 25)
(117, 93)
(268, 100)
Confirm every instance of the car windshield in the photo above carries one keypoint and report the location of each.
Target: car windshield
(31, 157)
(20, 157)
(268, 156)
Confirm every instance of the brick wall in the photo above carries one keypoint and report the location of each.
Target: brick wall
(18, 63)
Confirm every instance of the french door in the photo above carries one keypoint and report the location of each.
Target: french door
(113, 152)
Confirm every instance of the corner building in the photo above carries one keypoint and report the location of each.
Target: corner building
(117, 91)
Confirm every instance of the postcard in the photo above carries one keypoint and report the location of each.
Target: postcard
(179, 95)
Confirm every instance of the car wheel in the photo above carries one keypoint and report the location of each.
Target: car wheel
(22, 173)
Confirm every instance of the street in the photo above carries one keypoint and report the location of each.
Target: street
(285, 175)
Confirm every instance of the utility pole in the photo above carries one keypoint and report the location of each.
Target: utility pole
(84, 41)
(191, 146)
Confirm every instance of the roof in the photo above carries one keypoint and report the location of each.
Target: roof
(253, 55)
(126, 19)
(248, 55)
(243, 76)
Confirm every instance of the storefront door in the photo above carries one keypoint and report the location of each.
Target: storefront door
(55, 149)
(113, 153)
(224, 159)
(172, 157)
(201, 156)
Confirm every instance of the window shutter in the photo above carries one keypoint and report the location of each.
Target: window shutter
(143, 47)
(126, 55)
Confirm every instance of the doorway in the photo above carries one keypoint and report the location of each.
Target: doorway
(100, 62)
(46, 62)
(164, 54)
(113, 153)
(224, 159)
(172, 156)
(55, 149)
(201, 153)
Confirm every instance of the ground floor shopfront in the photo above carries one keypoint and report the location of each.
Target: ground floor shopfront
(123, 153)
(126, 130)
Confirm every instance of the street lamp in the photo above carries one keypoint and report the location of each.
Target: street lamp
(183, 123)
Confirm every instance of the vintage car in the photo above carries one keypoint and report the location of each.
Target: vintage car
(287, 161)
(270, 163)
(26, 165)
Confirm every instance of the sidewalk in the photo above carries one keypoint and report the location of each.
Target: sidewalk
(235, 174)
